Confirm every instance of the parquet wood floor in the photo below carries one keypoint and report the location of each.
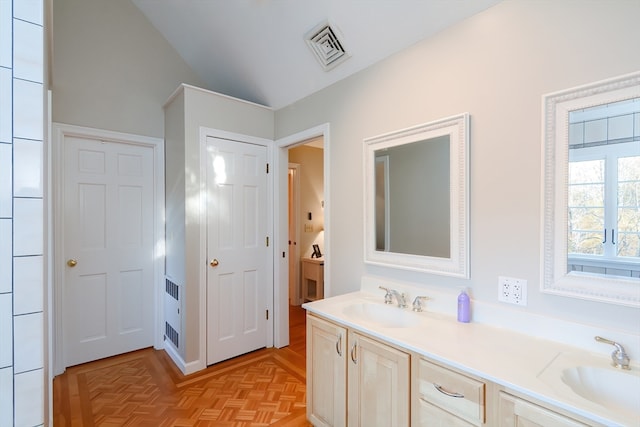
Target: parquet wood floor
(144, 388)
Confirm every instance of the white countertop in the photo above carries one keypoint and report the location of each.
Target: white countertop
(520, 362)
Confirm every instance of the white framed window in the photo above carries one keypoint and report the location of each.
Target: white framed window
(604, 187)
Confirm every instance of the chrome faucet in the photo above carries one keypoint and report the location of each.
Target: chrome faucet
(417, 303)
(401, 298)
(619, 357)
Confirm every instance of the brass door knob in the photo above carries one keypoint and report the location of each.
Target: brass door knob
(72, 262)
(214, 263)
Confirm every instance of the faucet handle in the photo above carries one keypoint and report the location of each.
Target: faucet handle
(388, 297)
(402, 299)
(417, 303)
(619, 357)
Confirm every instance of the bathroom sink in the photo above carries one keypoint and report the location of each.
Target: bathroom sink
(609, 387)
(381, 315)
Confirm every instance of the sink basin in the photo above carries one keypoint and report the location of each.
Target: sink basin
(381, 315)
(609, 387)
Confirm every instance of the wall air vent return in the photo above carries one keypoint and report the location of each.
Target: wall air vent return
(172, 312)
(328, 49)
(171, 334)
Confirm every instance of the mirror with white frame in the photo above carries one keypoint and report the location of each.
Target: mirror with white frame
(416, 198)
(591, 192)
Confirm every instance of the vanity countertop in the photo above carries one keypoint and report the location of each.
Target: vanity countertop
(523, 363)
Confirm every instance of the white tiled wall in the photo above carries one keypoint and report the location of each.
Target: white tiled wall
(22, 333)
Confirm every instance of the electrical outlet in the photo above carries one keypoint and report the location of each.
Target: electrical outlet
(512, 290)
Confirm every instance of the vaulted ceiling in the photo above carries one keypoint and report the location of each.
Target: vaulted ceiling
(256, 49)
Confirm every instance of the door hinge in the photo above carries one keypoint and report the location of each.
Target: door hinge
(267, 167)
(267, 239)
(266, 314)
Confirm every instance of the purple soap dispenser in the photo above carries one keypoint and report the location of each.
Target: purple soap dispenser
(464, 309)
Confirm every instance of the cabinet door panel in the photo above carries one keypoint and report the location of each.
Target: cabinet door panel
(326, 373)
(517, 412)
(432, 416)
(378, 384)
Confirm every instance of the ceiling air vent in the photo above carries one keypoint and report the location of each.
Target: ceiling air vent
(326, 46)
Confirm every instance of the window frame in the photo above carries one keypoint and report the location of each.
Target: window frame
(610, 154)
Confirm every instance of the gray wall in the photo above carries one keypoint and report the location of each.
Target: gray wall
(111, 68)
(190, 109)
(496, 66)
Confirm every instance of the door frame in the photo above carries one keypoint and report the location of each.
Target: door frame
(206, 132)
(281, 264)
(295, 200)
(60, 131)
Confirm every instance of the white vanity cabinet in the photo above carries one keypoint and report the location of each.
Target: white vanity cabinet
(425, 370)
(346, 369)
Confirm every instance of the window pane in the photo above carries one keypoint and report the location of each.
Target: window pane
(586, 230)
(628, 244)
(586, 207)
(591, 171)
(628, 194)
(586, 195)
(591, 219)
(629, 168)
(585, 243)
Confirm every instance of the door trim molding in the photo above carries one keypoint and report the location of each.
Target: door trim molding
(206, 132)
(60, 131)
(297, 296)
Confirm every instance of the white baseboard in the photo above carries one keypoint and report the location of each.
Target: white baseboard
(185, 368)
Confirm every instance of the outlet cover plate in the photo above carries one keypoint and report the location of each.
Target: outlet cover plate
(512, 290)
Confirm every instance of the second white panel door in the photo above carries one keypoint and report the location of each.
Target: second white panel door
(237, 281)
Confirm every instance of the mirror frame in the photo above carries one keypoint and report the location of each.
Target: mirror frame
(457, 265)
(555, 157)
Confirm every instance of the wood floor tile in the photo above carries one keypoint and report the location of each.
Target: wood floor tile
(145, 388)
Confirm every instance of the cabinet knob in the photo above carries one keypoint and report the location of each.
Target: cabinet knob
(72, 262)
(214, 263)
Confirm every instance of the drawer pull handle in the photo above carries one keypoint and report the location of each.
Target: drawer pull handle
(354, 357)
(448, 393)
(339, 345)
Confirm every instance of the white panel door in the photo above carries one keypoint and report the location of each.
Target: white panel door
(236, 248)
(108, 247)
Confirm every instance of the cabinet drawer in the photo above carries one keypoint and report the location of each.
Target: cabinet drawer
(430, 415)
(451, 391)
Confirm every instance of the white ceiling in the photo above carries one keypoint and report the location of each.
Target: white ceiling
(255, 49)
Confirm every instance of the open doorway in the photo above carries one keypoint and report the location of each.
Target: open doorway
(306, 231)
(306, 221)
(281, 268)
